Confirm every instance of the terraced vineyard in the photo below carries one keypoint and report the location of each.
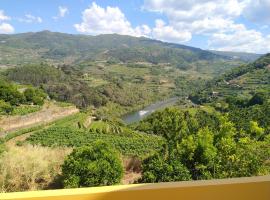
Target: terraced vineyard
(240, 82)
(136, 144)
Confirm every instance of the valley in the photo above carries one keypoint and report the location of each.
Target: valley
(162, 111)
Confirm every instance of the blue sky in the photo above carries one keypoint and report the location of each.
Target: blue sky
(231, 25)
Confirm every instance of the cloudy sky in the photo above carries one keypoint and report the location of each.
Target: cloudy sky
(231, 25)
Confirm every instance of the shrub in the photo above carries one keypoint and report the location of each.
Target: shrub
(158, 169)
(94, 165)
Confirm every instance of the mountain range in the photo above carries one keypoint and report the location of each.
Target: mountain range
(57, 48)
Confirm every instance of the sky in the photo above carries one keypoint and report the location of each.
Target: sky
(228, 25)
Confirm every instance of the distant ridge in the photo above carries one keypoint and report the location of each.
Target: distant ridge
(70, 48)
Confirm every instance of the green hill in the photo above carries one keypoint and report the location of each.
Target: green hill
(68, 48)
(241, 82)
(120, 72)
(249, 57)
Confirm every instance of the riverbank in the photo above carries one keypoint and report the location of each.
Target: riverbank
(138, 115)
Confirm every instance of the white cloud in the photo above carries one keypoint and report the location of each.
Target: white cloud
(190, 10)
(28, 18)
(258, 11)
(6, 28)
(198, 16)
(167, 33)
(242, 40)
(216, 19)
(97, 20)
(63, 11)
(3, 17)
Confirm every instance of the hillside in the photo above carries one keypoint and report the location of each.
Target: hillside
(67, 48)
(241, 82)
(120, 72)
(223, 133)
(248, 57)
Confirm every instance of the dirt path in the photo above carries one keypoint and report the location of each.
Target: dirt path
(48, 114)
(131, 177)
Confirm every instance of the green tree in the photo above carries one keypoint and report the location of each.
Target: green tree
(258, 98)
(9, 93)
(94, 165)
(5, 107)
(255, 130)
(35, 96)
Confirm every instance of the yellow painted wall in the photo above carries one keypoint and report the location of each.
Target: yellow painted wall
(254, 188)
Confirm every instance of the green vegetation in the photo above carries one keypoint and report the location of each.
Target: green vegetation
(12, 101)
(220, 128)
(59, 47)
(25, 109)
(117, 74)
(204, 146)
(94, 165)
(71, 132)
(239, 84)
(127, 144)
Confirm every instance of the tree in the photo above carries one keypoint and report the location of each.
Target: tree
(35, 96)
(255, 130)
(258, 98)
(9, 93)
(94, 165)
(5, 107)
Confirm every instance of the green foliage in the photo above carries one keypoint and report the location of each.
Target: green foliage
(5, 107)
(237, 85)
(157, 169)
(25, 109)
(95, 165)
(56, 83)
(57, 47)
(128, 144)
(242, 117)
(258, 98)
(9, 93)
(12, 101)
(207, 145)
(35, 74)
(2, 146)
(37, 96)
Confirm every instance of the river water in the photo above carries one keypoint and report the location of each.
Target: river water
(140, 114)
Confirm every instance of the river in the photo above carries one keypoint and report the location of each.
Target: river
(140, 114)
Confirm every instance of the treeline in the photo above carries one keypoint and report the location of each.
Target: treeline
(58, 83)
(65, 83)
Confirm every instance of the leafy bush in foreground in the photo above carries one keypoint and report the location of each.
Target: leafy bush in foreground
(94, 165)
(214, 150)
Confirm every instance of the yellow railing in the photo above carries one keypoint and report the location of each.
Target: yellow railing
(254, 188)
